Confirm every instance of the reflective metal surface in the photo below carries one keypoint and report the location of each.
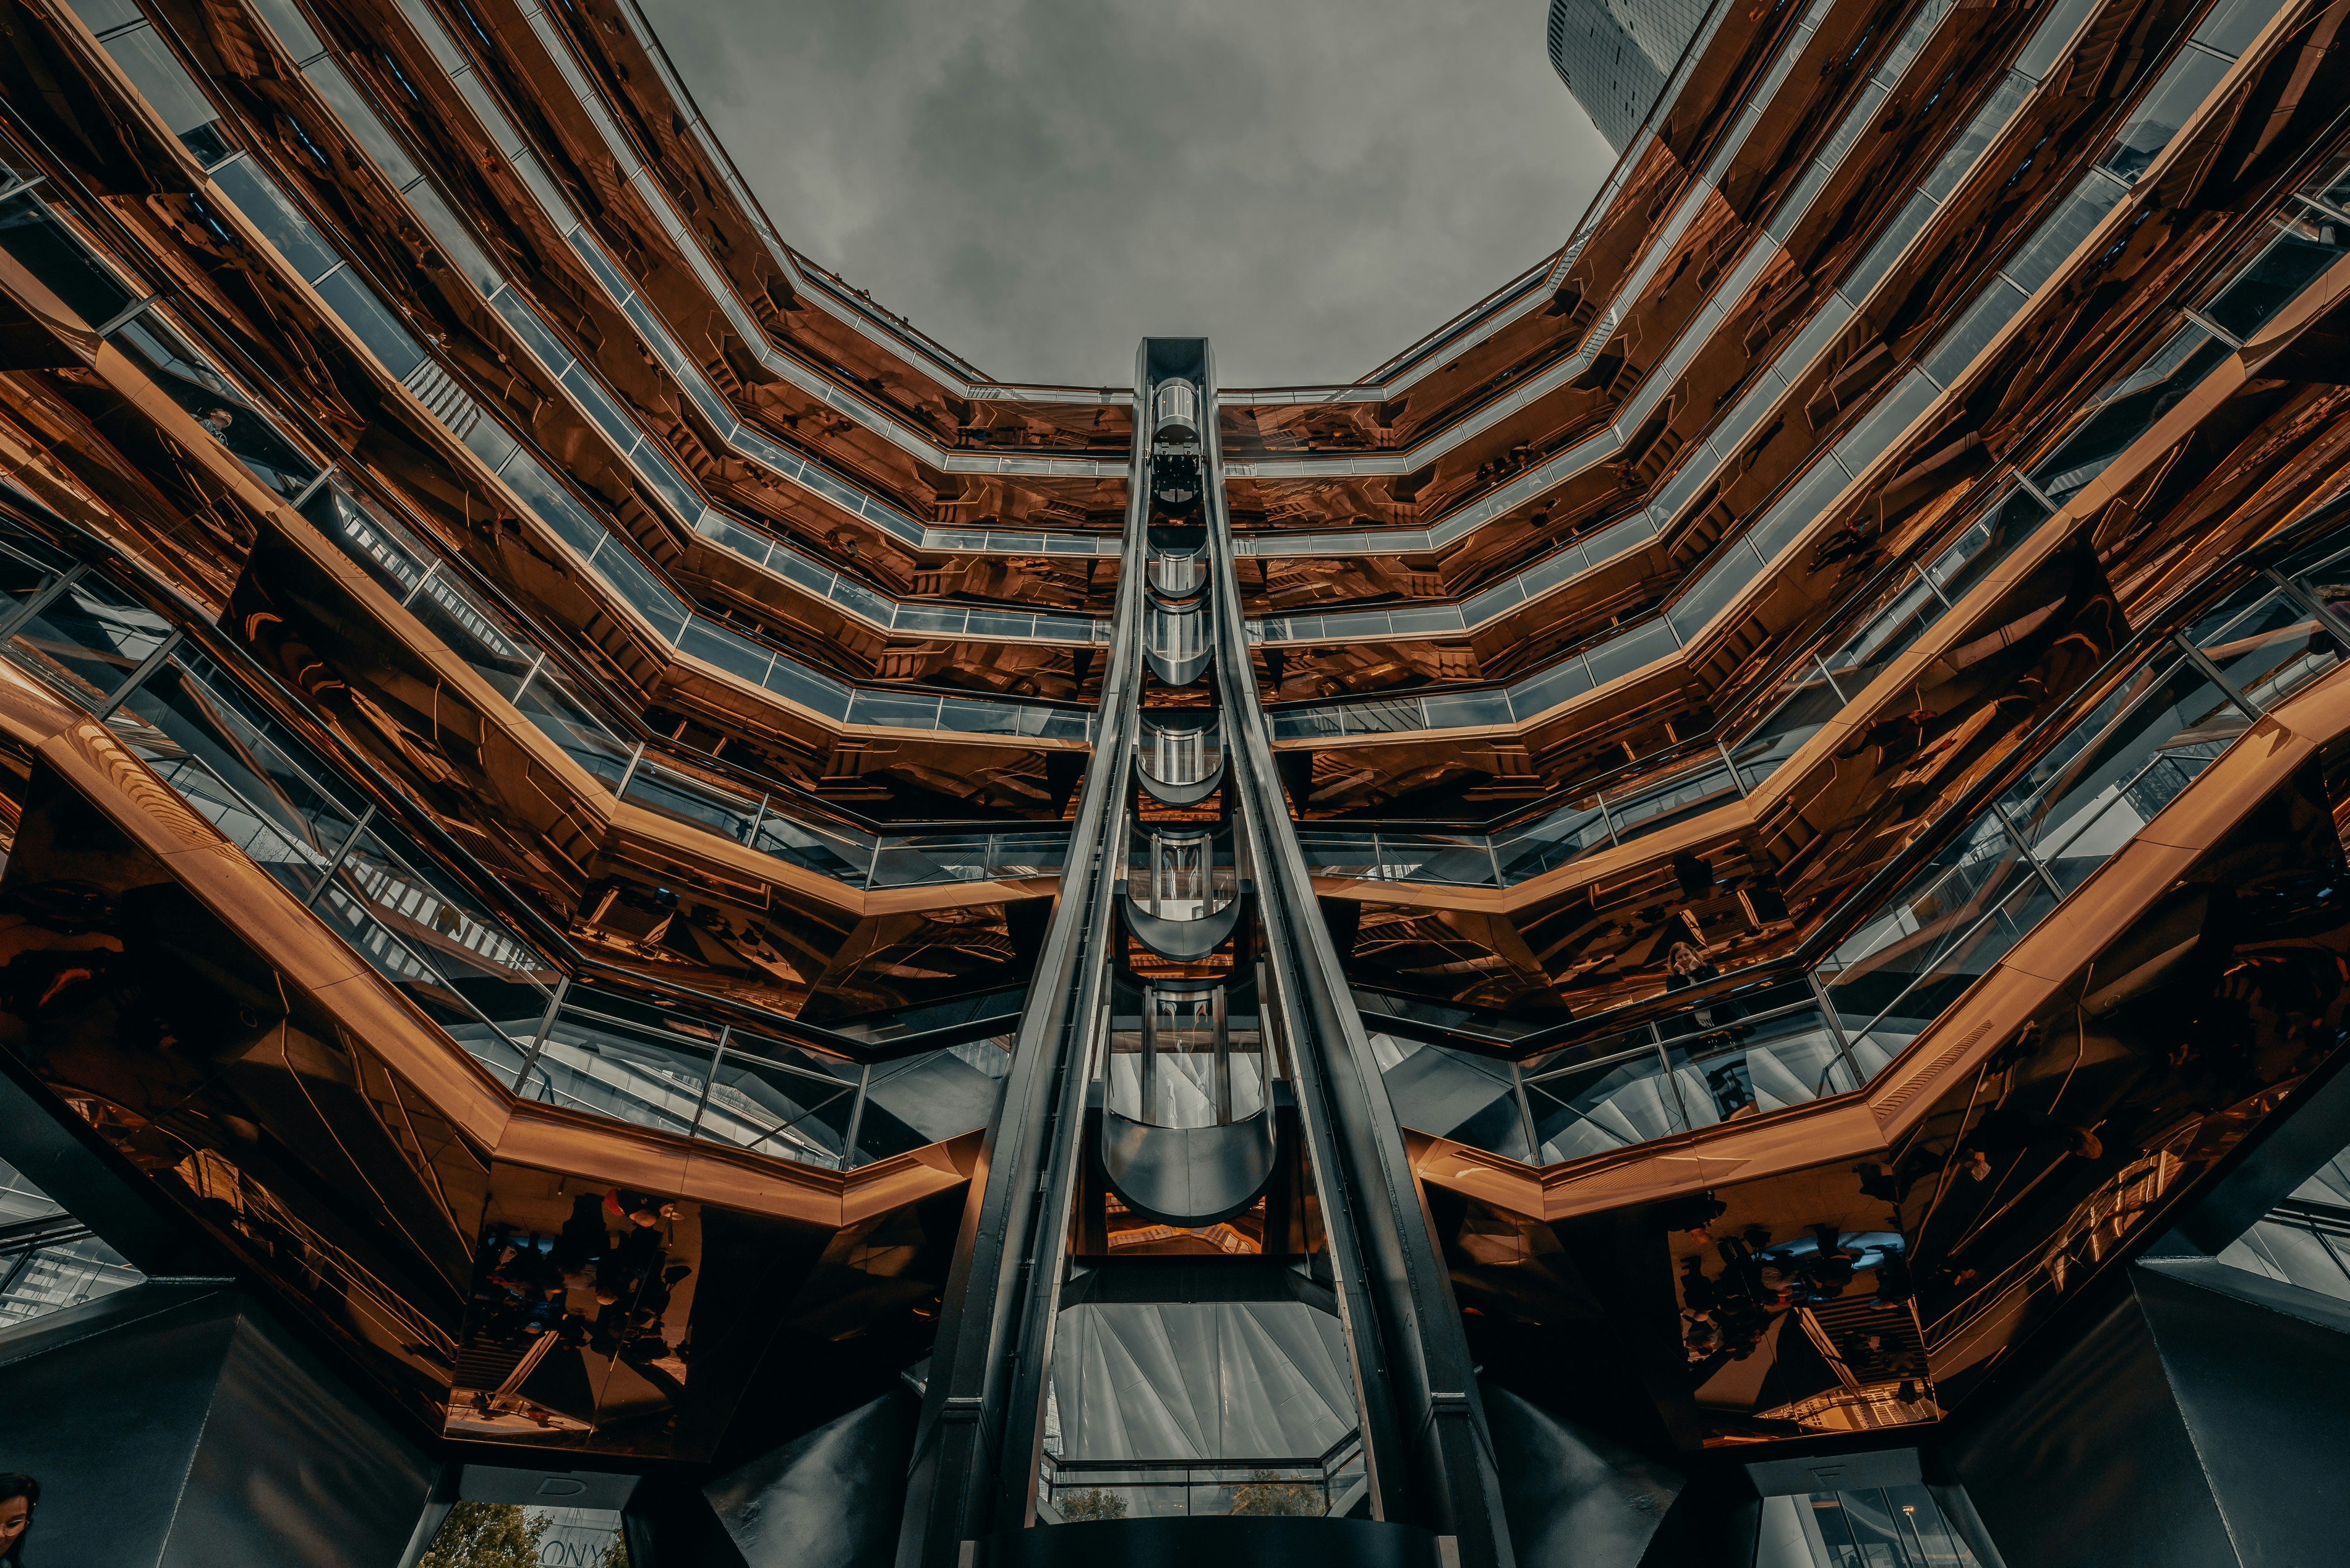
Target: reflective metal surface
(1790, 746)
(271, 1456)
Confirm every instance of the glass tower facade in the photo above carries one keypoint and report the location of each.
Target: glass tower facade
(1703, 921)
(1615, 56)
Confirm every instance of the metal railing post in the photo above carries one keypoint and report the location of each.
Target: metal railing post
(538, 1040)
(342, 853)
(710, 1078)
(855, 1117)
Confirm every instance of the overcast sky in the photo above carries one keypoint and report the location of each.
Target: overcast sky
(1038, 183)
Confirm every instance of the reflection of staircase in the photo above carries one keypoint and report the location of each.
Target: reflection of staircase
(486, 1365)
(1850, 1320)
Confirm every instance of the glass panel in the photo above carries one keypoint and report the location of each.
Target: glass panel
(686, 799)
(600, 1063)
(1627, 1096)
(526, 325)
(371, 322)
(2307, 246)
(909, 710)
(1722, 582)
(1453, 1094)
(1351, 855)
(60, 1275)
(836, 852)
(1729, 1070)
(452, 238)
(1568, 678)
(1653, 805)
(359, 120)
(2181, 92)
(51, 254)
(636, 583)
(1455, 861)
(1931, 972)
(1876, 431)
(2264, 643)
(1895, 1527)
(2061, 233)
(208, 743)
(789, 678)
(555, 506)
(1465, 710)
(924, 1099)
(223, 411)
(1903, 611)
(1627, 651)
(293, 29)
(2133, 754)
(2333, 188)
(791, 1103)
(2233, 24)
(1535, 848)
(1807, 703)
(1988, 122)
(21, 577)
(1905, 226)
(1797, 510)
(280, 221)
(88, 639)
(451, 614)
(1971, 557)
(729, 651)
(1923, 936)
(464, 970)
(2109, 432)
(548, 703)
(2049, 38)
(1957, 349)
(160, 79)
(923, 862)
(1617, 537)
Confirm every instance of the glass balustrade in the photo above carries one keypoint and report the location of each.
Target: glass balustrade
(1184, 1063)
(1181, 874)
(2304, 240)
(437, 942)
(1179, 754)
(2175, 705)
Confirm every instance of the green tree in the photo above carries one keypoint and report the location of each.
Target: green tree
(1080, 1504)
(485, 1535)
(1266, 1492)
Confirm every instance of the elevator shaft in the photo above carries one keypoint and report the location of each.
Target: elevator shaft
(1194, 1144)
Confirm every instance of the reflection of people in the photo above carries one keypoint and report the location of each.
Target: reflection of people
(218, 421)
(19, 1495)
(1686, 965)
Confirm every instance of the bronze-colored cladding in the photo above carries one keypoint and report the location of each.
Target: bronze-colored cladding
(612, 1319)
(1823, 1259)
(242, 63)
(185, 1003)
(2049, 361)
(2222, 467)
(469, 758)
(764, 931)
(621, 65)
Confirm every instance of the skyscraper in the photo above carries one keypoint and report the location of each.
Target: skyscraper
(1615, 56)
(1703, 922)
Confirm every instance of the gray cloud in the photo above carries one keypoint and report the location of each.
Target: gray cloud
(1038, 183)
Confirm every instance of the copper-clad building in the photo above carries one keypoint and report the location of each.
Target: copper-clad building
(1704, 922)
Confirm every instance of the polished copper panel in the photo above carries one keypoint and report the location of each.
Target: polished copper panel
(354, 1156)
(1861, 1262)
